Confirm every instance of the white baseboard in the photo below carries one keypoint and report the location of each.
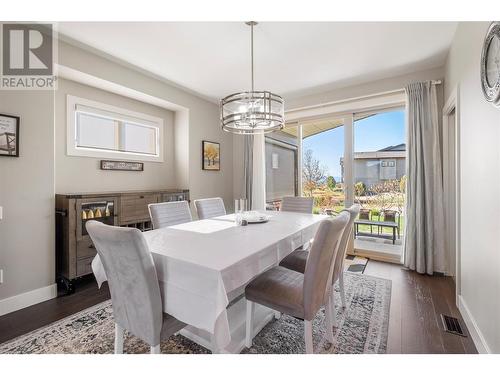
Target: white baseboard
(475, 332)
(30, 298)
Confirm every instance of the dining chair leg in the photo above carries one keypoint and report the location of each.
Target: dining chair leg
(308, 336)
(213, 345)
(329, 320)
(332, 309)
(118, 339)
(155, 349)
(342, 289)
(249, 328)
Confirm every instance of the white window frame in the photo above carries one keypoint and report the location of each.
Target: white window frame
(124, 114)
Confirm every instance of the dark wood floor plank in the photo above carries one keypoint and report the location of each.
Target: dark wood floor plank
(412, 325)
(451, 343)
(426, 311)
(467, 342)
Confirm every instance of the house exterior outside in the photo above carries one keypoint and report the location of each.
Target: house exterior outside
(281, 166)
(374, 167)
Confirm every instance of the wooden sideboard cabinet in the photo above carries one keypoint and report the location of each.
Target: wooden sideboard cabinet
(74, 248)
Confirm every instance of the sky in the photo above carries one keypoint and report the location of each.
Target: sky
(370, 134)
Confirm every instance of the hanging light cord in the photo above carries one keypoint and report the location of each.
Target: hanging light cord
(251, 24)
(251, 53)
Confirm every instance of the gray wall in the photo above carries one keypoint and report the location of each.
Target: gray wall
(27, 195)
(480, 183)
(83, 174)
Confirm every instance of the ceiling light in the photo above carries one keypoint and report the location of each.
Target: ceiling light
(252, 112)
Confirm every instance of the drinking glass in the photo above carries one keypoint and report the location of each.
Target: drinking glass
(243, 205)
(238, 213)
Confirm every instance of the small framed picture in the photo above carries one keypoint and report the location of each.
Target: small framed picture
(210, 155)
(9, 135)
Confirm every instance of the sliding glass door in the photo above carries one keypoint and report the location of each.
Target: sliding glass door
(379, 181)
(341, 160)
(322, 164)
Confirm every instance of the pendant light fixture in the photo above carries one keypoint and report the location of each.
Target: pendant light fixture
(252, 112)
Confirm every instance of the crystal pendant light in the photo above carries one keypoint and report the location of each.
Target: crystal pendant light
(252, 112)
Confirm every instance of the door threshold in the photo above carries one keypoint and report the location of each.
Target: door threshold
(377, 255)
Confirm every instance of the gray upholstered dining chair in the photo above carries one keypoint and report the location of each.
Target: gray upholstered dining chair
(169, 213)
(133, 283)
(300, 295)
(302, 205)
(209, 207)
(297, 204)
(297, 260)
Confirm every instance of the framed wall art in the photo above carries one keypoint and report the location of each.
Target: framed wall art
(210, 156)
(9, 135)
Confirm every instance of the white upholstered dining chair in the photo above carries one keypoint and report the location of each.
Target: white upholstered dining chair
(297, 204)
(297, 260)
(169, 213)
(209, 207)
(133, 283)
(300, 295)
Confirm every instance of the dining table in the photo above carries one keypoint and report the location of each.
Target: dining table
(203, 267)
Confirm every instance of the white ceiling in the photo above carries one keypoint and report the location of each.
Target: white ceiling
(213, 59)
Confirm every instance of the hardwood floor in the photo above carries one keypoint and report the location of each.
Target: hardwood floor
(414, 324)
(416, 304)
(23, 321)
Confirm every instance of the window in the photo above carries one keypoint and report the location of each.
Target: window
(100, 130)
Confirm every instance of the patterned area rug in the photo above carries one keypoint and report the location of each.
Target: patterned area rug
(362, 329)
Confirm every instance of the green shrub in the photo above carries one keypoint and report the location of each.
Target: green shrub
(359, 189)
(330, 183)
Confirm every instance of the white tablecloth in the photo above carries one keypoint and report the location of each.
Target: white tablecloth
(202, 262)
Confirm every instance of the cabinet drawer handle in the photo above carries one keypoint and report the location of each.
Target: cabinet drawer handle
(91, 246)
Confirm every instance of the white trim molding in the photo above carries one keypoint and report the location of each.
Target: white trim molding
(341, 108)
(27, 299)
(452, 105)
(476, 334)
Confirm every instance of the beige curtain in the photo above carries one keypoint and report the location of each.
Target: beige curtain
(424, 233)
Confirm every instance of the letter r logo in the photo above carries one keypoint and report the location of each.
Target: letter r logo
(27, 49)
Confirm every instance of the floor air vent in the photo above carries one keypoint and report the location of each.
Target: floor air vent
(452, 325)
